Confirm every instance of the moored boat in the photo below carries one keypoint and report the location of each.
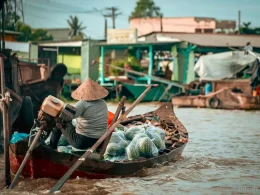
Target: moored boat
(226, 94)
(48, 163)
(225, 83)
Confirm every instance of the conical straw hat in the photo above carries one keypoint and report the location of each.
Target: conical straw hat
(89, 91)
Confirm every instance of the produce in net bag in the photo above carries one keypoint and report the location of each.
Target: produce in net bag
(114, 149)
(161, 132)
(115, 158)
(120, 128)
(119, 138)
(132, 150)
(141, 146)
(157, 135)
(156, 139)
(132, 131)
(147, 148)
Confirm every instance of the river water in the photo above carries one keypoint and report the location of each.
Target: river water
(222, 157)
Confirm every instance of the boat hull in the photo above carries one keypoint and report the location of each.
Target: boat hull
(48, 163)
(155, 94)
(222, 99)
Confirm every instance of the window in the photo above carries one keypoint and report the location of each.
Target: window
(198, 30)
(208, 30)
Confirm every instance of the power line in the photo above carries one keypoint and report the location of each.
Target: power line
(112, 15)
(58, 7)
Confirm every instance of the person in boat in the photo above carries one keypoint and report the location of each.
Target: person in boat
(160, 73)
(91, 117)
(168, 73)
(248, 47)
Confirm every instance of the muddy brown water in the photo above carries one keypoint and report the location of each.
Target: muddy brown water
(222, 157)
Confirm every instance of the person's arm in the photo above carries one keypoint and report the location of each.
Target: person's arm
(80, 108)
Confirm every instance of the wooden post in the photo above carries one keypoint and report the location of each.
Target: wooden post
(101, 66)
(119, 108)
(6, 124)
(150, 70)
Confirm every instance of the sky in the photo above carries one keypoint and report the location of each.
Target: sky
(54, 13)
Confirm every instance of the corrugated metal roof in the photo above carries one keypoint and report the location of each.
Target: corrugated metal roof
(61, 44)
(11, 32)
(213, 40)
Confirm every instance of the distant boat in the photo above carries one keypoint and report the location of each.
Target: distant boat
(229, 91)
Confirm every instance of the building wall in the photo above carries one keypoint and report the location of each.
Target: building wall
(188, 25)
(73, 62)
(181, 65)
(33, 51)
(191, 73)
(89, 54)
(9, 37)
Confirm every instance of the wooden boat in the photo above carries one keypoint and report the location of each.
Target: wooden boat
(226, 94)
(48, 163)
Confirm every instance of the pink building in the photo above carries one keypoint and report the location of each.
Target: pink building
(181, 25)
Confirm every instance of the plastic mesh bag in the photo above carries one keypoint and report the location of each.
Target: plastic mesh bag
(118, 138)
(114, 158)
(132, 131)
(120, 128)
(141, 146)
(156, 139)
(161, 132)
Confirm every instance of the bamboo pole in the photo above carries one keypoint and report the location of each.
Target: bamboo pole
(6, 124)
(66, 176)
(119, 108)
(154, 78)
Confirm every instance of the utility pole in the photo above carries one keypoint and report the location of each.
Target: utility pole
(15, 11)
(105, 28)
(239, 18)
(3, 25)
(112, 15)
(22, 10)
(161, 23)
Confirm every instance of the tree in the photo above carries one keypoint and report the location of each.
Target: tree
(28, 34)
(146, 9)
(41, 35)
(13, 11)
(76, 28)
(246, 29)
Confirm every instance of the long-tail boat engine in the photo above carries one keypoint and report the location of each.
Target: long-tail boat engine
(54, 113)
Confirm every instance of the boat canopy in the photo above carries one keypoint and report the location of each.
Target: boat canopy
(222, 65)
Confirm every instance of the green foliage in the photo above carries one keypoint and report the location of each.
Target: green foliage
(247, 29)
(27, 34)
(76, 28)
(41, 35)
(132, 61)
(117, 63)
(146, 9)
(11, 16)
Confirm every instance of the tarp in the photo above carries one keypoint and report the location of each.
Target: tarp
(222, 65)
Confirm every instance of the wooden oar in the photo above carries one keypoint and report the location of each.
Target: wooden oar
(119, 108)
(67, 175)
(28, 154)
